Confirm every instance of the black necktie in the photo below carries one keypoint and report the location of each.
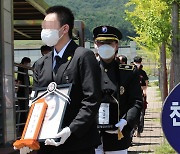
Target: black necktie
(58, 63)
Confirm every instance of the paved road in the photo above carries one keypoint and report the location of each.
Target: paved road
(152, 135)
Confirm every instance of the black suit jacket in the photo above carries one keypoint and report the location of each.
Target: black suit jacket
(82, 70)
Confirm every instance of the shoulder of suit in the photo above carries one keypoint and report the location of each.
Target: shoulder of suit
(126, 67)
(83, 51)
(41, 60)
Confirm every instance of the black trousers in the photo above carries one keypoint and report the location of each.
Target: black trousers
(55, 150)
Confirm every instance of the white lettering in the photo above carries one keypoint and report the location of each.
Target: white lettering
(175, 107)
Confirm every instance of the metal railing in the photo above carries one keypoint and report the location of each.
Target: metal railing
(23, 86)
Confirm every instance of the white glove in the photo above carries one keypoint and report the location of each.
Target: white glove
(120, 125)
(24, 150)
(30, 103)
(64, 134)
(32, 96)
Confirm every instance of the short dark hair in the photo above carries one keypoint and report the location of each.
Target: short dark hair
(45, 48)
(65, 16)
(137, 59)
(25, 60)
(124, 58)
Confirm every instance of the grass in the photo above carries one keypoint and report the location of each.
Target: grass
(27, 44)
(165, 149)
(156, 120)
(154, 83)
(156, 110)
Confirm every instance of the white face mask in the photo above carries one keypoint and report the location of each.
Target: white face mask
(138, 65)
(28, 64)
(106, 51)
(50, 36)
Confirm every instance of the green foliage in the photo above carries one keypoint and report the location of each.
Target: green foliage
(151, 17)
(99, 12)
(151, 49)
(31, 80)
(154, 83)
(148, 69)
(152, 22)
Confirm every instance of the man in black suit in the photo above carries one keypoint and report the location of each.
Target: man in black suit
(144, 84)
(122, 97)
(78, 66)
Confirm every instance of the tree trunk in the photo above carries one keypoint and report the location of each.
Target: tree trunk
(163, 72)
(175, 42)
(171, 79)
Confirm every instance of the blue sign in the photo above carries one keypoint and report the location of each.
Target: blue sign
(171, 118)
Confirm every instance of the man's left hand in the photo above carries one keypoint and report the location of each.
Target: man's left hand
(63, 135)
(121, 124)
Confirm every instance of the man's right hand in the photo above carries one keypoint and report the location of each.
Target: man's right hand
(24, 150)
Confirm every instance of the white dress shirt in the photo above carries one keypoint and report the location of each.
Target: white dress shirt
(60, 53)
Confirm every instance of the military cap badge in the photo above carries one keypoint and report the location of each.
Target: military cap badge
(104, 29)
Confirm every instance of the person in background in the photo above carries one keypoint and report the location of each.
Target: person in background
(144, 84)
(69, 64)
(122, 59)
(23, 92)
(45, 49)
(23, 78)
(122, 97)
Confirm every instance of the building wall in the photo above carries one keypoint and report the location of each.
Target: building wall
(6, 74)
(33, 54)
(128, 51)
